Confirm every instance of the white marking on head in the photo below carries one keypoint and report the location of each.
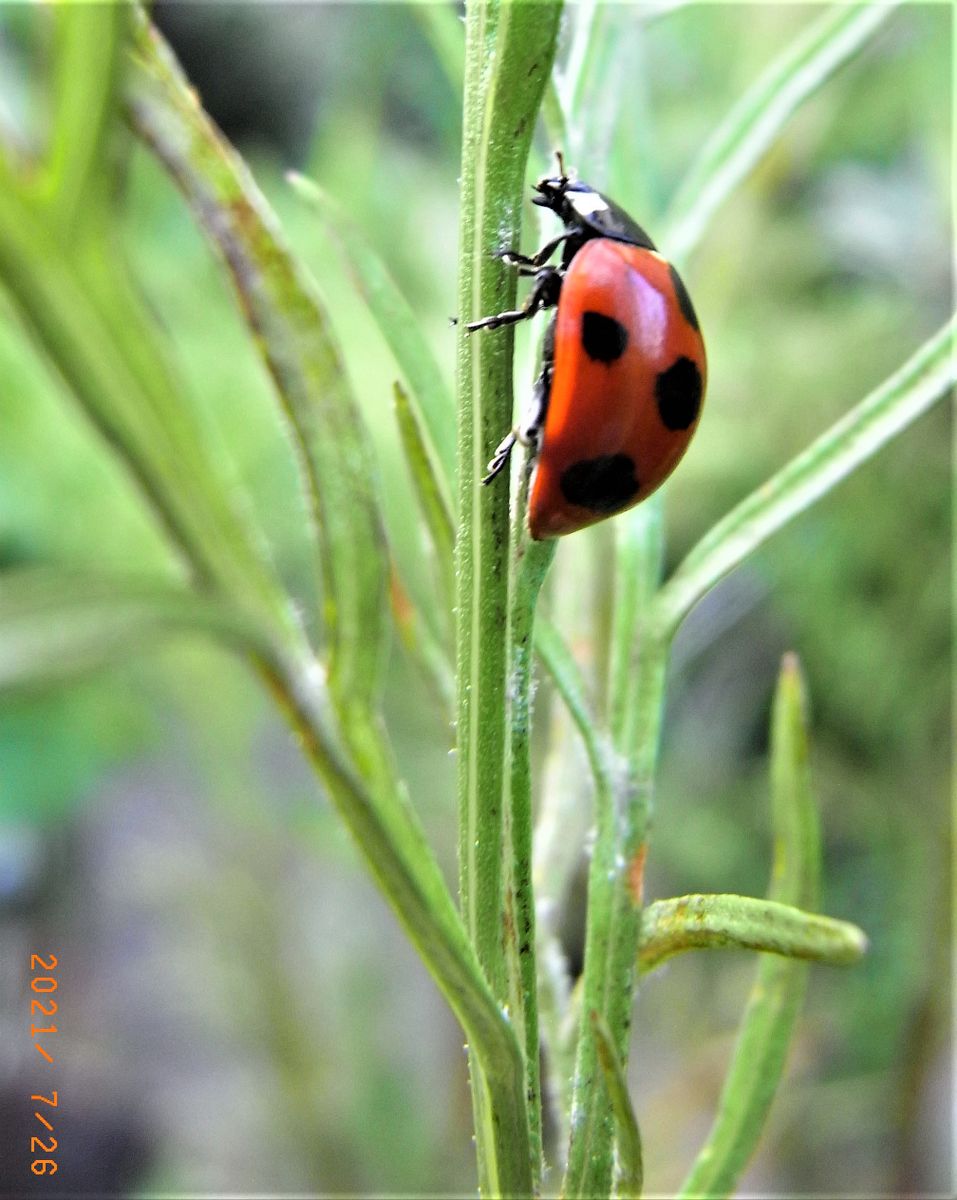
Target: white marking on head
(586, 203)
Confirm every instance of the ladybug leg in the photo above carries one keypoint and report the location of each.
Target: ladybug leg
(548, 284)
(529, 428)
(514, 259)
(503, 451)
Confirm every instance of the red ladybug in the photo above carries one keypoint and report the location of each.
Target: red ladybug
(623, 366)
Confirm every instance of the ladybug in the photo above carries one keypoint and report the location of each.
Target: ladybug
(623, 365)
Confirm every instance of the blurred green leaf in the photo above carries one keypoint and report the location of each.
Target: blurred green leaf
(87, 63)
(55, 624)
(756, 120)
(79, 304)
(402, 330)
(442, 26)
(428, 489)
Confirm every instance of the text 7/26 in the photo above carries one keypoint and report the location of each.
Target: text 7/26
(43, 1006)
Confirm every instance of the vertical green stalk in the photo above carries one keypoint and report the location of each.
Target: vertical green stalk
(509, 51)
(615, 877)
(531, 561)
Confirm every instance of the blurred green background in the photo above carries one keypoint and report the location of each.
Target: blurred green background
(240, 1010)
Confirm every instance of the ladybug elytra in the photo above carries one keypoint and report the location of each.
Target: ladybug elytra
(623, 364)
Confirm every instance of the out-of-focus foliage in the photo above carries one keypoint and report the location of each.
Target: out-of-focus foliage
(273, 1007)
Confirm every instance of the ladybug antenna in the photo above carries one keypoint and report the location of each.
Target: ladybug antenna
(561, 167)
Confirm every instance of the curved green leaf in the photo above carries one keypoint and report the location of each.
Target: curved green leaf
(669, 927)
(768, 1023)
(428, 490)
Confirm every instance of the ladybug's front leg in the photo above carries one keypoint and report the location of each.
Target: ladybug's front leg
(544, 294)
(514, 259)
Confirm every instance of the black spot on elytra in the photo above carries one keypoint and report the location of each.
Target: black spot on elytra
(603, 337)
(684, 300)
(678, 393)
(602, 484)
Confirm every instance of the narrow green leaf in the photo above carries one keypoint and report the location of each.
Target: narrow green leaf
(919, 384)
(755, 121)
(742, 922)
(88, 47)
(796, 849)
(399, 326)
(55, 624)
(630, 1167)
(768, 1023)
(570, 685)
(428, 490)
(422, 644)
(281, 304)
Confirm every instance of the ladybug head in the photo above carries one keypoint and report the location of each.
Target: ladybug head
(571, 199)
(586, 213)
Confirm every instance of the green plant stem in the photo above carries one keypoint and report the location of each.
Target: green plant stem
(615, 877)
(508, 56)
(402, 864)
(631, 1167)
(613, 931)
(531, 562)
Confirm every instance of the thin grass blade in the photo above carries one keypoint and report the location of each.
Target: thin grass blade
(399, 326)
(921, 382)
(778, 993)
(428, 489)
(755, 121)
